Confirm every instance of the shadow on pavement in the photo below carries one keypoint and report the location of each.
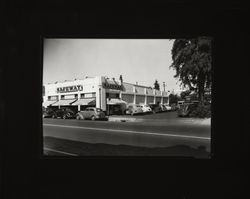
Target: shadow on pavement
(99, 149)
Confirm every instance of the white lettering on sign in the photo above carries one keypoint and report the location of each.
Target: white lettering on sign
(69, 89)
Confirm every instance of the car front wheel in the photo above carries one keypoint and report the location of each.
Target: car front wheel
(93, 118)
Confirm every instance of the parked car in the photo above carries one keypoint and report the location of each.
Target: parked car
(133, 109)
(64, 113)
(163, 108)
(155, 108)
(168, 108)
(49, 113)
(179, 103)
(91, 113)
(173, 107)
(186, 109)
(146, 108)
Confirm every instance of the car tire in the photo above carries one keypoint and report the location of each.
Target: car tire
(53, 116)
(93, 118)
(64, 117)
(78, 117)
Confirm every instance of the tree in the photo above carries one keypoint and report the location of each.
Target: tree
(156, 85)
(185, 93)
(192, 62)
(121, 79)
(173, 99)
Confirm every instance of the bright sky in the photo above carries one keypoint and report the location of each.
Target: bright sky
(137, 60)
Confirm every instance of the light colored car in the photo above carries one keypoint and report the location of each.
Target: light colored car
(134, 109)
(169, 108)
(146, 108)
(91, 113)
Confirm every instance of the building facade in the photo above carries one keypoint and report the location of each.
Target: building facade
(110, 95)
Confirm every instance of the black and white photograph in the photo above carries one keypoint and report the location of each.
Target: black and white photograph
(127, 97)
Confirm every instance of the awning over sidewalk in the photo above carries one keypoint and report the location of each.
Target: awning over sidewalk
(115, 101)
(48, 103)
(64, 102)
(85, 101)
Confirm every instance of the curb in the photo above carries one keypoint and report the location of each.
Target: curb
(117, 119)
(196, 121)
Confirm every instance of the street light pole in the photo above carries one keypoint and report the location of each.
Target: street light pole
(164, 86)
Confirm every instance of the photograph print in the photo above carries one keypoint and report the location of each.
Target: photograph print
(127, 97)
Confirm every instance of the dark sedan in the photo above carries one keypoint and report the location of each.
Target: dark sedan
(64, 113)
(49, 113)
(155, 108)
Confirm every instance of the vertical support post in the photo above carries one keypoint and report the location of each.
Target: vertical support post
(134, 90)
(59, 101)
(100, 98)
(79, 106)
(161, 97)
(154, 97)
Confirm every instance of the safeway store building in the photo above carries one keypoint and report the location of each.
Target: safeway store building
(108, 94)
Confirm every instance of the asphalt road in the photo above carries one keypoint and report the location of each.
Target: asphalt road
(150, 133)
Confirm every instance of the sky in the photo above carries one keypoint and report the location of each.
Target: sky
(137, 60)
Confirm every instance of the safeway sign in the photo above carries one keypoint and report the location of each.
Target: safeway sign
(69, 89)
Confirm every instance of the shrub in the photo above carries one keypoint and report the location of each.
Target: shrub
(201, 111)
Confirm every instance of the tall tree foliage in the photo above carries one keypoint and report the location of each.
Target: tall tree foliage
(173, 99)
(192, 62)
(121, 79)
(156, 85)
(185, 93)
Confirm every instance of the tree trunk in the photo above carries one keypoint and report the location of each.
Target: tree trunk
(201, 85)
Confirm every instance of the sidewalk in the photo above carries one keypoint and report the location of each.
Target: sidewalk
(124, 118)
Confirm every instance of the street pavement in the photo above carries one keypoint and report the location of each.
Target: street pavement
(152, 131)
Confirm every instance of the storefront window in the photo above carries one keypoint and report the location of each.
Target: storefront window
(140, 99)
(112, 95)
(88, 95)
(53, 98)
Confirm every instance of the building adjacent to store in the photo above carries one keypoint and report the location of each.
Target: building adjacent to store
(110, 95)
